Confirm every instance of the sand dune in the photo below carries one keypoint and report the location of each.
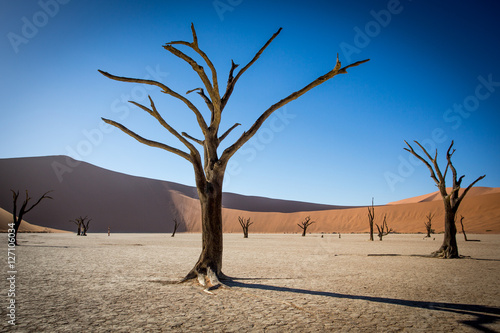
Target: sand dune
(435, 196)
(481, 212)
(6, 218)
(135, 204)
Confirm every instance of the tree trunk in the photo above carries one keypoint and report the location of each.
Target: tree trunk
(245, 232)
(210, 260)
(304, 232)
(16, 228)
(176, 225)
(449, 248)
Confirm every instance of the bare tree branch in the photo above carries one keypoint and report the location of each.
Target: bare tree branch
(198, 69)
(258, 123)
(201, 92)
(154, 112)
(194, 45)
(200, 142)
(411, 150)
(232, 81)
(223, 136)
(44, 196)
(468, 188)
(148, 142)
(166, 90)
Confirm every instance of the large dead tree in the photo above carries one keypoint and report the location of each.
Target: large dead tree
(305, 224)
(451, 200)
(209, 169)
(18, 216)
(428, 225)
(384, 230)
(244, 225)
(371, 217)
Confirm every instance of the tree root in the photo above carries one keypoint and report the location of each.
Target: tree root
(445, 253)
(209, 280)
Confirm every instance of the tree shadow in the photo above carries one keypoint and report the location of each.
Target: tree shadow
(41, 245)
(482, 314)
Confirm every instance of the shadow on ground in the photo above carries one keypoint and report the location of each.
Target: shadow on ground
(483, 314)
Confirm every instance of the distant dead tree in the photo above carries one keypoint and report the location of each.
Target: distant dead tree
(176, 225)
(384, 231)
(79, 225)
(371, 217)
(463, 229)
(304, 224)
(244, 225)
(452, 200)
(18, 216)
(83, 225)
(208, 162)
(428, 225)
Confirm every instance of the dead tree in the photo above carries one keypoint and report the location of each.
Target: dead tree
(209, 167)
(79, 225)
(428, 225)
(463, 229)
(244, 224)
(176, 225)
(304, 224)
(18, 216)
(451, 200)
(384, 231)
(83, 225)
(371, 217)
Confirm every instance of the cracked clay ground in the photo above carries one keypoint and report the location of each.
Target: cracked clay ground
(283, 283)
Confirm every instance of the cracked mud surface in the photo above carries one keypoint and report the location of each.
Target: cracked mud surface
(282, 283)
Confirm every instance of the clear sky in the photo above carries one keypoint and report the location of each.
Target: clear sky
(434, 76)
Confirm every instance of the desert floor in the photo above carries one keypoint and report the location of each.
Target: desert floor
(283, 283)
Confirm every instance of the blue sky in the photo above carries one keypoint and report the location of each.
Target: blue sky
(433, 77)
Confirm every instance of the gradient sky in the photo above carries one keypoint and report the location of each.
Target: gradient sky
(433, 76)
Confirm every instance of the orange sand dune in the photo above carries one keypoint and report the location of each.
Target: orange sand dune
(481, 215)
(435, 196)
(6, 218)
